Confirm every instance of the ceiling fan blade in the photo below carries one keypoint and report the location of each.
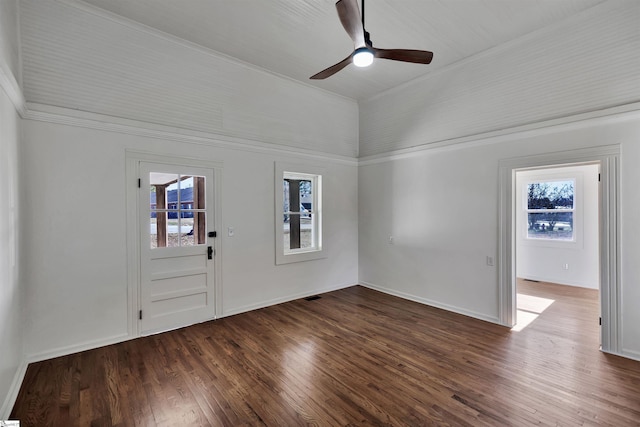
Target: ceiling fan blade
(332, 70)
(350, 17)
(405, 55)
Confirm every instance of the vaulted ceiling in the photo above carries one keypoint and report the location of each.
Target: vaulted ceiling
(297, 38)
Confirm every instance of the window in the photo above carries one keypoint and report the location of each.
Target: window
(177, 210)
(298, 213)
(550, 210)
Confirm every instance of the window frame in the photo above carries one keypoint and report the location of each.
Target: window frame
(571, 210)
(301, 171)
(578, 232)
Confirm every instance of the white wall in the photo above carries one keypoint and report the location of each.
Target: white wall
(430, 151)
(75, 238)
(11, 289)
(544, 260)
(441, 206)
(106, 85)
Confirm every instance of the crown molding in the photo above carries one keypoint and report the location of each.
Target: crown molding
(576, 121)
(65, 116)
(51, 114)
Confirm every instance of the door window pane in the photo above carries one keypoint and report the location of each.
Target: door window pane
(158, 230)
(177, 210)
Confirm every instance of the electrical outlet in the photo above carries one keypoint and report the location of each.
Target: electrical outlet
(490, 261)
(391, 240)
(565, 266)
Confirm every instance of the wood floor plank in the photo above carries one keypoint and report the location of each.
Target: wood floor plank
(353, 357)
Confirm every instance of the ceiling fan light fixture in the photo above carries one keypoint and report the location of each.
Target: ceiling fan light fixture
(353, 23)
(362, 57)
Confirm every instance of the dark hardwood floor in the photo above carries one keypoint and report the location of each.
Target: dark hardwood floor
(353, 357)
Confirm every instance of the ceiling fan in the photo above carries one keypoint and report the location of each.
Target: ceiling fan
(364, 52)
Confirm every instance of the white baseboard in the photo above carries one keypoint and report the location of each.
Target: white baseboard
(280, 300)
(14, 389)
(90, 345)
(630, 354)
(558, 281)
(432, 303)
(76, 348)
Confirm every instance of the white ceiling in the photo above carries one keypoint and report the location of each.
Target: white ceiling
(298, 38)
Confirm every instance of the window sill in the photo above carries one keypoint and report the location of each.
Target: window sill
(300, 256)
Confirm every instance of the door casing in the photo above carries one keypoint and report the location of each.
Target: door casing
(609, 204)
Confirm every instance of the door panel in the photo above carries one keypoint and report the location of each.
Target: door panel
(180, 303)
(171, 264)
(177, 276)
(165, 286)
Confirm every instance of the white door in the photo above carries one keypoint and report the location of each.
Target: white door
(176, 246)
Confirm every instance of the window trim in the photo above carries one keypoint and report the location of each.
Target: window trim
(305, 171)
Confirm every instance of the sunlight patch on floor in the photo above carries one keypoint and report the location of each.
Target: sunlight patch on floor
(529, 308)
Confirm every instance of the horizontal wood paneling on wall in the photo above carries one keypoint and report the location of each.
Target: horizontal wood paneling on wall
(85, 59)
(590, 62)
(9, 36)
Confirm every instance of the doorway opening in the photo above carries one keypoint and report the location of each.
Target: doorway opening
(556, 219)
(608, 157)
